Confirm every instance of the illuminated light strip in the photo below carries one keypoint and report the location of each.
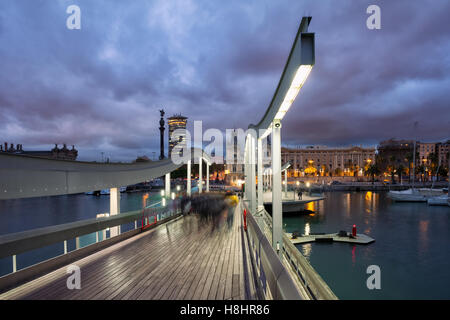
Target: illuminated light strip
(299, 79)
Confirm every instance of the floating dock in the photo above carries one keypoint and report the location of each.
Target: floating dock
(331, 237)
(290, 201)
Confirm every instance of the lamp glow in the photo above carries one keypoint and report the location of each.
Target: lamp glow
(299, 79)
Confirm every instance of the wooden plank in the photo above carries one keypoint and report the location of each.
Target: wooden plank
(168, 282)
(220, 292)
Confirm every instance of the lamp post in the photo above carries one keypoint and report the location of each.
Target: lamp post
(298, 67)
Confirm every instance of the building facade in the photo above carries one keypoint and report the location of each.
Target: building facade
(425, 149)
(56, 153)
(325, 161)
(443, 153)
(178, 141)
(396, 153)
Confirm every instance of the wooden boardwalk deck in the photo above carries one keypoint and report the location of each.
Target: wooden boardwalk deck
(183, 259)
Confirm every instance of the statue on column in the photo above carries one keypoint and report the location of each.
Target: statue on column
(161, 130)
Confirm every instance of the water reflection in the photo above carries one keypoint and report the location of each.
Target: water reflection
(310, 206)
(354, 255)
(307, 229)
(423, 236)
(306, 250)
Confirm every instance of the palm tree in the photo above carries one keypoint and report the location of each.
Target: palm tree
(400, 171)
(373, 171)
(420, 170)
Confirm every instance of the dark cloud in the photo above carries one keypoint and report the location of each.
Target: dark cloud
(101, 87)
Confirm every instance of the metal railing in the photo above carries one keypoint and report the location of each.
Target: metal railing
(13, 244)
(308, 277)
(272, 277)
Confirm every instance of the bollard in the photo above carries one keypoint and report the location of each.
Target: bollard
(354, 230)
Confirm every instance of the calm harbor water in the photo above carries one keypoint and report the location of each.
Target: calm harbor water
(411, 247)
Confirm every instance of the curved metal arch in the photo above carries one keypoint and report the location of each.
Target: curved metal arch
(302, 53)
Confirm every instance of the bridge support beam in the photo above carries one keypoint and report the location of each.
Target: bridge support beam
(246, 170)
(252, 177)
(285, 184)
(114, 209)
(188, 183)
(200, 175)
(277, 205)
(207, 177)
(260, 176)
(167, 185)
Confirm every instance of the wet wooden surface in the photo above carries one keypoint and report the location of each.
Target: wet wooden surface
(184, 259)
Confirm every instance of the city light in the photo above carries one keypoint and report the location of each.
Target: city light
(299, 79)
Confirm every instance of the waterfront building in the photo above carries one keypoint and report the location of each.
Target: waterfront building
(177, 122)
(395, 153)
(443, 153)
(327, 161)
(234, 167)
(56, 153)
(425, 149)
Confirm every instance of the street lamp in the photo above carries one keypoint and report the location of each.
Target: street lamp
(297, 69)
(299, 79)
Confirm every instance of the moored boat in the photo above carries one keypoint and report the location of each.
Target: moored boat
(442, 200)
(415, 195)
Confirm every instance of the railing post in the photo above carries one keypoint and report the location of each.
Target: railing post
(200, 175)
(207, 176)
(77, 243)
(14, 263)
(167, 185)
(188, 183)
(114, 209)
(65, 246)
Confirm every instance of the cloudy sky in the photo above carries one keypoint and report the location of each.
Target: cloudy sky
(101, 87)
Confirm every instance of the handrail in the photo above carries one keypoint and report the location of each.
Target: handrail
(309, 277)
(280, 283)
(306, 273)
(15, 243)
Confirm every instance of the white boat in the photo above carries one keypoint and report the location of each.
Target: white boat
(414, 195)
(442, 200)
(104, 192)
